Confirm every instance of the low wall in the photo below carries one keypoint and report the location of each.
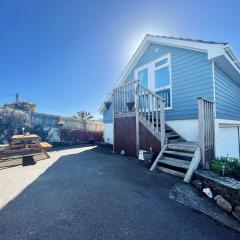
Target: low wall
(229, 188)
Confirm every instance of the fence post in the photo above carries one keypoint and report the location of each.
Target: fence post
(137, 116)
(201, 130)
(162, 122)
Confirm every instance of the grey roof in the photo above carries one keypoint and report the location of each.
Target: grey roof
(189, 39)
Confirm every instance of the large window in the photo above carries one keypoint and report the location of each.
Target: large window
(143, 77)
(162, 81)
(156, 76)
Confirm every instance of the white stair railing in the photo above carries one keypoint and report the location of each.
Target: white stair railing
(133, 97)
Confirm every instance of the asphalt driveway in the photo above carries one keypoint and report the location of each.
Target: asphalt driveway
(89, 193)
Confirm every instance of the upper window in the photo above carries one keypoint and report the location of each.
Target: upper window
(162, 78)
(143, 77)
(156, 75)
(161, 62)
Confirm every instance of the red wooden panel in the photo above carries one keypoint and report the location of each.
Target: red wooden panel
(125, 135)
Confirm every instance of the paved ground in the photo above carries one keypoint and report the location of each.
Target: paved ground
(86, 193)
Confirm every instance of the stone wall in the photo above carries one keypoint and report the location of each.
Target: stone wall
(227, 187)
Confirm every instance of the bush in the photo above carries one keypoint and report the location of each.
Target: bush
(226, 166)
(12, 121)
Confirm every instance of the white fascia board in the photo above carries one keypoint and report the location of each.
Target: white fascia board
(213, 50)
(232, 62)
(232, 57)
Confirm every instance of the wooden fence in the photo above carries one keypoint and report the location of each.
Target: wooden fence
(65, 122)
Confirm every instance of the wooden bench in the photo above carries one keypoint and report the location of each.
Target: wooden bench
(45, 145)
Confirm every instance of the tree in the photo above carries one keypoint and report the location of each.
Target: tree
(21, 105)
(12, 121)
(83, 115)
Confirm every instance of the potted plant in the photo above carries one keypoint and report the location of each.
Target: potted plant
(130, 105)
(107, 105)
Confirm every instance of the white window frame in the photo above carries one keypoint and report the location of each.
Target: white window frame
(139, 69)
(151, 75)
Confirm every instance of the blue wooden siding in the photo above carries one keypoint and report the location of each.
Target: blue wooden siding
(191, 78)
(108, 115)
(227, 96)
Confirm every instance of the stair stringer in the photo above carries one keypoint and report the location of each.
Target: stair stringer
(193, 165)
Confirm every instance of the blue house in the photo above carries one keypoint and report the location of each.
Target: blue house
(176, 95)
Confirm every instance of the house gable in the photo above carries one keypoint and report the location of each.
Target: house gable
(191, 68)
(191, 75)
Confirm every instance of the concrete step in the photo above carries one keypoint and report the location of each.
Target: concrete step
(175, 163)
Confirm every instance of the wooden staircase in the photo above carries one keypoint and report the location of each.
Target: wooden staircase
(180, 159)
(177, 157)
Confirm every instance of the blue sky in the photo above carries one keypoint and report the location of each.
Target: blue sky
(66, 55)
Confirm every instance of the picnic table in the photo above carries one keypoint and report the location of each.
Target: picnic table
(25, 146)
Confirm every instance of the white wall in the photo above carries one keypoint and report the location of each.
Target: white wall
(227, 138)
(108, 133)
(188, 129)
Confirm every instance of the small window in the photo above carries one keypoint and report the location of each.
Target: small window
(161, 62)
(143, 77)
(162, 78)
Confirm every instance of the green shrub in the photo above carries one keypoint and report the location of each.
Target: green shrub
(226, 166)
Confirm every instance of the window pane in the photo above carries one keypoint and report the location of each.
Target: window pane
(143, 77)
(165, 95)
(162, 78)
(159, 63)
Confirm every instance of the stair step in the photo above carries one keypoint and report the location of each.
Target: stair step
(181, 155)
(175, 140)
(176, 163)
(180, 147)
(172, 172)
(172, 136)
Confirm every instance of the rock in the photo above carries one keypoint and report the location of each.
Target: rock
(236, 213)
(223, 203)
(198, 185)
(208, 192)
(122, 152)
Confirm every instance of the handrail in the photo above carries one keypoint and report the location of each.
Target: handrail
(131, 96)
(126, 83)
(151, 92)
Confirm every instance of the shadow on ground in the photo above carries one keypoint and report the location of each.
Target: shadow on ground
(98, 195)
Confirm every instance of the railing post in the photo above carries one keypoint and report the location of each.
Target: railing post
(201, 129)
(162, 122)
(137, 116)
(113, 112)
